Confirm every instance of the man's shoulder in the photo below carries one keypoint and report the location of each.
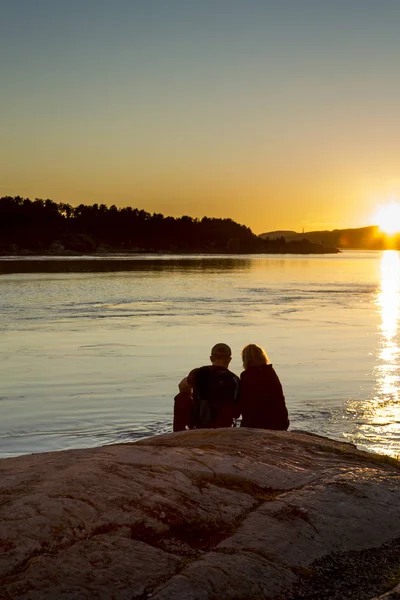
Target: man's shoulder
(209, 370)
(228, 373)
(192, 375)
(234, 376)
(232, 373)
(197, 372)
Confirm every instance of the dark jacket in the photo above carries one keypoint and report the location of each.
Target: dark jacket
(262, 402)
(218, 388)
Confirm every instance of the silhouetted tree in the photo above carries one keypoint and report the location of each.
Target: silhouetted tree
(43, 224)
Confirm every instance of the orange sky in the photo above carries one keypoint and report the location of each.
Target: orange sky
(278, 115)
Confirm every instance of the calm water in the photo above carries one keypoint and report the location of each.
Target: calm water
(91, 352)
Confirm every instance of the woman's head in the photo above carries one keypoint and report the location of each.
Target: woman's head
(253, 356)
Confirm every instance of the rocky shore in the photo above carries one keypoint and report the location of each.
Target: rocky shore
(201, 515)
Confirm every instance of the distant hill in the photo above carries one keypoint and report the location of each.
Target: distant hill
(287, 234)
(363, 238)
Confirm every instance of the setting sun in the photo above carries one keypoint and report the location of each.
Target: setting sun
(388, 218)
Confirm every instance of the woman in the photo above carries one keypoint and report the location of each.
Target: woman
(261, 396)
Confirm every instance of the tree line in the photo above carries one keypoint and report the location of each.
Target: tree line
(47, 226)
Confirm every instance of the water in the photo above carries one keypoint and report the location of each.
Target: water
(91, 351)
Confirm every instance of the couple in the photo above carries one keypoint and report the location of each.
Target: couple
(213, 396)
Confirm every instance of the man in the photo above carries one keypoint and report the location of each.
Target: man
(208, 396)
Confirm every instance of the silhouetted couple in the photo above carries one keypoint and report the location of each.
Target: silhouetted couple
(212, 396)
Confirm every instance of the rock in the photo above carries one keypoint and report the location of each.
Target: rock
(197, 515)
(26, 252)
(393, 595)
(56, 248)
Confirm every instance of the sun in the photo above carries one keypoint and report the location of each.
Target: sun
(388, 218)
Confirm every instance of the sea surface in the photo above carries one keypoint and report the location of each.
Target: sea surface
(92, 349)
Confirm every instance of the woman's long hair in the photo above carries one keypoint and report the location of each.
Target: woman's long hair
(254, 356)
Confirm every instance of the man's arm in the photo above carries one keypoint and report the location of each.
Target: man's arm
(187, 383)
(184, 385)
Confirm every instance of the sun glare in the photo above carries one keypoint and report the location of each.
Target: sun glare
(388, 218)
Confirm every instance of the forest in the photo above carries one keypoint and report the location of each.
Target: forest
(47, 227)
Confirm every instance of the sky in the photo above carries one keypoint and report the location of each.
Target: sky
(278, 114)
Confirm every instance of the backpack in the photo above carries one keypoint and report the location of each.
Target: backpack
(212, 388)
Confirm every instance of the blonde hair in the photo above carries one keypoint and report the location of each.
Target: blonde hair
(254, 356)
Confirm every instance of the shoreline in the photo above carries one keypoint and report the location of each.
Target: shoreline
(24, 253)
(327, 444)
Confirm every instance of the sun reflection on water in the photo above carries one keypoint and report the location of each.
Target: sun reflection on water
(384, 410)
(377, 418)
(388, 301)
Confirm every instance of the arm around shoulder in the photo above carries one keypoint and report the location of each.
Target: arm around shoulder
(184, 386)
(187, 383)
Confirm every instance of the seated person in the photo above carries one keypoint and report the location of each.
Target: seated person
(183, 411)
(262, 402)
(209, 395)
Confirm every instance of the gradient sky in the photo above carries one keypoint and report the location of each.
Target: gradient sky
(279, 114)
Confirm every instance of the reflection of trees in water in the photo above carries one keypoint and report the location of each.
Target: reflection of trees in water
(104, 265)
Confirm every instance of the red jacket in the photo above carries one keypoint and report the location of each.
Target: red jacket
(183, 411)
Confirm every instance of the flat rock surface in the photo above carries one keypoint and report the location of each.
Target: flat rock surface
(199, 515)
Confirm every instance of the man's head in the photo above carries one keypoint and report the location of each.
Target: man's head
(221, 355)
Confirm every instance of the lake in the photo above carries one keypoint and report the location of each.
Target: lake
(92, 349)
